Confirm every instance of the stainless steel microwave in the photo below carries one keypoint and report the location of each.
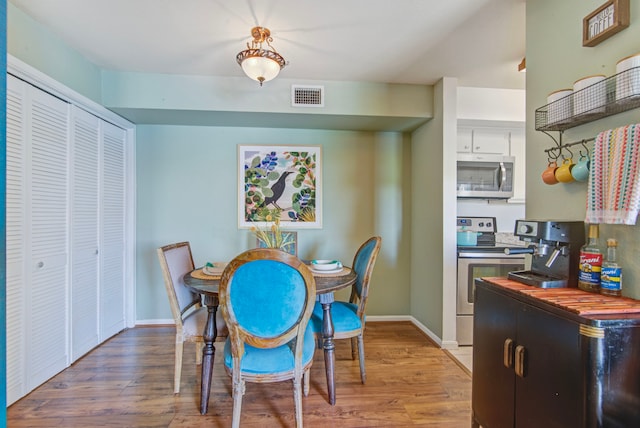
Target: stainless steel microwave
(485, 176)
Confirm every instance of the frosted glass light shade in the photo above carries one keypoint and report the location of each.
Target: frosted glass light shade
(260, 69)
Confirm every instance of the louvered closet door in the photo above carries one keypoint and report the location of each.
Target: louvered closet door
(16, 294)
(112, 249)
(85, 152)
(48, 134)
(48, 320)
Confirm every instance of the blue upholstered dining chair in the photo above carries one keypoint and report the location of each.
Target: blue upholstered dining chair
(267, 296)
(349, 317)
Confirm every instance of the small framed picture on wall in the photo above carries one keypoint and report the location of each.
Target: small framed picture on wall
(607, 20)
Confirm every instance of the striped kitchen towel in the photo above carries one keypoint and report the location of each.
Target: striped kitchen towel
(613, 195)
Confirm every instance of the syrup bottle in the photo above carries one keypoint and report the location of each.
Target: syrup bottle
(611, 277)
(591, 256)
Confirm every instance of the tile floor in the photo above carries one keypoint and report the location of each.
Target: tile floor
(464, 356)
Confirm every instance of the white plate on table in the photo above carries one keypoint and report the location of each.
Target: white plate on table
(336, 270)
(214, 269)
(325, 265)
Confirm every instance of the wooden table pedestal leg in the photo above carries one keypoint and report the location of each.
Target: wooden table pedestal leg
(208, 352)
(328, 345)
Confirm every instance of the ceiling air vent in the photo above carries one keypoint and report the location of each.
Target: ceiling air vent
(307, 96)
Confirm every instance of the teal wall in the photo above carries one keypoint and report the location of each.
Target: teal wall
(187, 190)
(188, 131)
(555, 60)
(186, 172)
(41, 49)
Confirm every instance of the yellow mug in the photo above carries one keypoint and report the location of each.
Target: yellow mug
(563, 173)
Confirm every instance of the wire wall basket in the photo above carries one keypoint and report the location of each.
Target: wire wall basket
(612, 95)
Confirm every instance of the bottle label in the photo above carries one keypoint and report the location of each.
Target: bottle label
(611, 278)
(590, 268)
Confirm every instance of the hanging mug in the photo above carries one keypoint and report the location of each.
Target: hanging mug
(549, 174)
(580, 171)
(563, 173)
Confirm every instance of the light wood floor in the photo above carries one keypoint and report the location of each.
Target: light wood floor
(127, 382)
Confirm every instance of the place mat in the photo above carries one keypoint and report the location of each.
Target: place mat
(199, 274)
(342, 272)
(216, 273)
(573, 299)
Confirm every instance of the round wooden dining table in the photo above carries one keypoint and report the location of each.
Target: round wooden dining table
(207, 286)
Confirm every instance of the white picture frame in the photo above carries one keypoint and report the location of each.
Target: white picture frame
(284, 180)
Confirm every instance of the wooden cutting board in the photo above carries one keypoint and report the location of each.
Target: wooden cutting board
(573, 299)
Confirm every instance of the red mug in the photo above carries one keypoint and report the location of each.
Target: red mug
(549, 174)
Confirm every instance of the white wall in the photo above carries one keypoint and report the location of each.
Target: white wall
(506, 214)
(491, 104)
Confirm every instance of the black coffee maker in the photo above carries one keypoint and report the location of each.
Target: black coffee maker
(555, 248)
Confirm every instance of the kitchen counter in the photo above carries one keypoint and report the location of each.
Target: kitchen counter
(574, 300)
(509, 240)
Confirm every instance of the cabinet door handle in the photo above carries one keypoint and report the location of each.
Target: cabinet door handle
(507, 357)
(520, 355)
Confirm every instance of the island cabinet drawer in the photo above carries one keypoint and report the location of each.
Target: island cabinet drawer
(537, 364)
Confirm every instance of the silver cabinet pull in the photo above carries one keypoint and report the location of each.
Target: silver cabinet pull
(40, 265)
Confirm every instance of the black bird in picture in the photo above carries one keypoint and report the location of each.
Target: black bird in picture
(278, 189)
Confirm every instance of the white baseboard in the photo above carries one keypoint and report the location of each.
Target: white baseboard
(155, 322)
(370, 318)
(422, 327)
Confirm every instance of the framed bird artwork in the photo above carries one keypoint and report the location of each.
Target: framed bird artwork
(279, 182)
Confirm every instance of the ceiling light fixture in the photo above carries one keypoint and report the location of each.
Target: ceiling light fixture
(260, 64)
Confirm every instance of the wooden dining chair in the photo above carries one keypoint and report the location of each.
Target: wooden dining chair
(266, 296)
(188, 313)
(349, 317)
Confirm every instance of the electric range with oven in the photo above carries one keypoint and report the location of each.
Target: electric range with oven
(485, 259)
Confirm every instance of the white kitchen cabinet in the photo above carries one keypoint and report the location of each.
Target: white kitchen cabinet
(483, 140)
(465, 140)
(66, 222)
(491, 141)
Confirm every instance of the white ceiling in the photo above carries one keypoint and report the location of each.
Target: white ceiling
(480, 42)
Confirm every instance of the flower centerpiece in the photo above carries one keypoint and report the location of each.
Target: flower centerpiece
(273, 236)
